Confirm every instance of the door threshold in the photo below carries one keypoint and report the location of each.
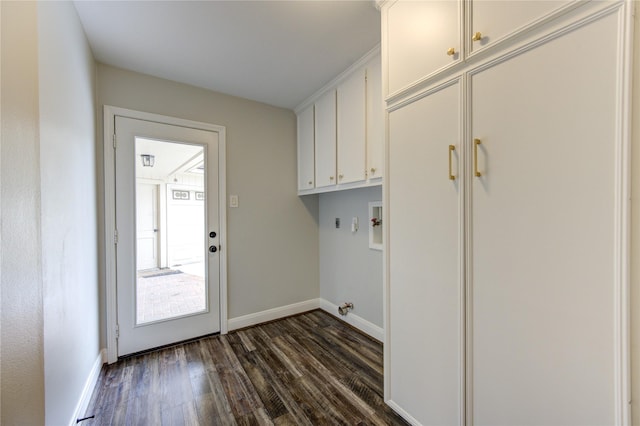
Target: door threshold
(169, 345)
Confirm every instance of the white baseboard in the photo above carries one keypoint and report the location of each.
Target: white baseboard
(272, 314)
(403, 413)
(308, 305)
(89, 386)
(354, 320)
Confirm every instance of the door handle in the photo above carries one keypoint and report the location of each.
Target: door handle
(476, 172)
(451, 149)
(213, 249)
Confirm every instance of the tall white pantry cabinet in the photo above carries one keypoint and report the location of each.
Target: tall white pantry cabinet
(506, 198)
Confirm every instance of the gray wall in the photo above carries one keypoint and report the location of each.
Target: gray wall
(69, 217)
(349, 270)
(49, 257)
(272, 237)
(22, 353)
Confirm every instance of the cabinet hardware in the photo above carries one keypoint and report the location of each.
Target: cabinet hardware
(476, 142)
(330, 177)
(373, 170)
(451, 149)
(451, 51)
(310, 182)
(477, 36)
(340, 177)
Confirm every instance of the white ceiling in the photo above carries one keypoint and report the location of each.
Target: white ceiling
(276, 52)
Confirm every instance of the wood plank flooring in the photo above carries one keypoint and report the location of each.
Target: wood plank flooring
(309, 369)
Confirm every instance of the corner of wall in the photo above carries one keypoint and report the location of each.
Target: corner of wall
(352, 318)
(68, 216)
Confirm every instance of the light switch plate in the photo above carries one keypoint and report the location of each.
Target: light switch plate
(233, 201)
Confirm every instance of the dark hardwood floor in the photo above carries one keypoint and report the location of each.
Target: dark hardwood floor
(309, 369)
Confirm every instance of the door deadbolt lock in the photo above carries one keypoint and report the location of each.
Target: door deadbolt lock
(212, 234)
(213, 249)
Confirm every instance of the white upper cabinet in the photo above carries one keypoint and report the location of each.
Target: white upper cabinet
(351, 127)
(306, 169)
(425, 39)
(325, 131)
(341, 131)
(491, 21)
(375, 120)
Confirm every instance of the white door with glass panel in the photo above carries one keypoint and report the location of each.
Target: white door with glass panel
(167, 219)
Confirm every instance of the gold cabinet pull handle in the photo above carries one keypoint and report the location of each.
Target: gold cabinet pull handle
(476, 142)
(477, 36)
(451, 149)
(451, 51)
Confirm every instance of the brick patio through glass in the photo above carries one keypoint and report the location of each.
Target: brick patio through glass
(170, 295)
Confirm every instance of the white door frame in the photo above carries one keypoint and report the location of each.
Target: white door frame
(110, 113)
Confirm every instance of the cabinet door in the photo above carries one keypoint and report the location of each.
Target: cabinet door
(375, 120)
(420, 35)
(497, 19)
(425, 296)
(543, 278)
(306, 171)
(351, 127)
(325, 130)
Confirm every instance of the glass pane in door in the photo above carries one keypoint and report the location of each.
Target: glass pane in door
(170, 230)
